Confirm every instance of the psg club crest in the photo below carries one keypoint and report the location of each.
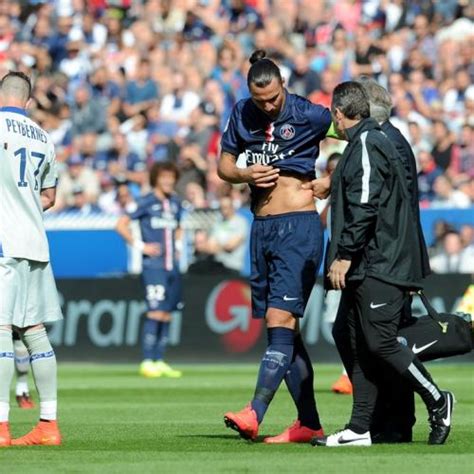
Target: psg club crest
(287, 131)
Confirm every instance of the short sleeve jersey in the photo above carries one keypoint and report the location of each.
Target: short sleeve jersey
(158, 219)
(291, 142)
(27, 166)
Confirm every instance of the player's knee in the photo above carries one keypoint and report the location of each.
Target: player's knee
(30, 329)
(159, 316)
(280, 318)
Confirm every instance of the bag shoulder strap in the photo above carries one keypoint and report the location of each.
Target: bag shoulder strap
(431, 311)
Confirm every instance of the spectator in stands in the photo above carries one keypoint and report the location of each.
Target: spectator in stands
(194, 197)
(192, 167)
(227, 74)
(463, 167)
(58, 41)
(227, 238)
(86, 146)
(417, 141)
(324, 95)
(135, 129)
(177, 105)
(86, 115)
(243, 18)
(81, 207)
(77, 63)
(454, 258)
(201, 128)
(369, 59)
(105, 91)
(424, 41)
(444, 150)
(77, 175)
(440, 229)
(447, 196)
(340, 56)
(160, 135)
(141, 92)
(303, 80)
(466, 233)
(427, 175)
(120, 162)
(454, 98)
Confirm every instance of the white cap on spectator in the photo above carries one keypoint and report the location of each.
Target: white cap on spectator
(64, 8)
(76, 34)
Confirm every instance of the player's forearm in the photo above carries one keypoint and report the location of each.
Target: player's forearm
(123, 230)
(228, 171)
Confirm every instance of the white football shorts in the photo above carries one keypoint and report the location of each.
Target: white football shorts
(28, 294)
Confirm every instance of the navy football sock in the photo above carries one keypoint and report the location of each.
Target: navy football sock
(150, 327)
(162, 339)
(273, 368)
(299, 380)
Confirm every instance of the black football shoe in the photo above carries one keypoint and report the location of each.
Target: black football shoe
(441, 419)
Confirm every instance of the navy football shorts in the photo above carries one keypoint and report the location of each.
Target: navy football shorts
(163, 289)
(286, 251)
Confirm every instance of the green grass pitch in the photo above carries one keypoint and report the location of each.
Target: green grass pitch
(114, 421)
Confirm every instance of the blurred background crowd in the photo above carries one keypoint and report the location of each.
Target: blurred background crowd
(121, 84)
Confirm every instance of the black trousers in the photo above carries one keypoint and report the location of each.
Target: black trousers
(365, 333)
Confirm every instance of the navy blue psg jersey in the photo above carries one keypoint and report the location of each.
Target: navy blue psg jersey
(159, 219)
(290, 143)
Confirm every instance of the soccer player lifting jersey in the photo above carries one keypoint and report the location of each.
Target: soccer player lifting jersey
(279, 134)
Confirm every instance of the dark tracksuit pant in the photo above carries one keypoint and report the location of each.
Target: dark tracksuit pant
(373, 312)
(394, 413)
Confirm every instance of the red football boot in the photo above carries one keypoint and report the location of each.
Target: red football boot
(244, 422)
(296, 433)
(343, 385)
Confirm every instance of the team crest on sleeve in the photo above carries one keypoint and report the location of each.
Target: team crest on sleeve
(287, 131)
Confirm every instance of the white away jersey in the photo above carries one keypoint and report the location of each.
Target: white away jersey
(27, 165)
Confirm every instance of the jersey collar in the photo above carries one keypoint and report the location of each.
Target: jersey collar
(15, 110)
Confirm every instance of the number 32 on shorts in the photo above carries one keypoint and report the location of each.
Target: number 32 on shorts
(155, 292)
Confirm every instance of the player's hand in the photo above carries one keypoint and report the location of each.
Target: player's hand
(152, 249)
(337, 273)
(321, 187)
(262, 176)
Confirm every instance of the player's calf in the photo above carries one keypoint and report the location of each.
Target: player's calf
(6, 373)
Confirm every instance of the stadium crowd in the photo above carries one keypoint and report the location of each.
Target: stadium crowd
(121, 84)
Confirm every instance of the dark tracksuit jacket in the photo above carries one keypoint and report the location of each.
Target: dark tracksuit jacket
(374, 223)
(411, 175)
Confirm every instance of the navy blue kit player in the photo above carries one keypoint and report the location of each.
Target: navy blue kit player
(279, 134)
(158, 214)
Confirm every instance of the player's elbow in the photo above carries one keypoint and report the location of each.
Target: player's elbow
(121, 225)
(221, 173)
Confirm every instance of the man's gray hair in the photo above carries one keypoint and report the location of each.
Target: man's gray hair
(380, 101)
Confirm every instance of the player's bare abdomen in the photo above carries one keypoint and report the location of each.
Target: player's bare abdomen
(286, 196)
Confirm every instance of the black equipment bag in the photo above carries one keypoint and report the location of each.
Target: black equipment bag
(436, 335)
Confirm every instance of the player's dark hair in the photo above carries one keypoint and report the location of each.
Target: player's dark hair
(263, 70)
(18, 75)
(352, 100)
(158, 168)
